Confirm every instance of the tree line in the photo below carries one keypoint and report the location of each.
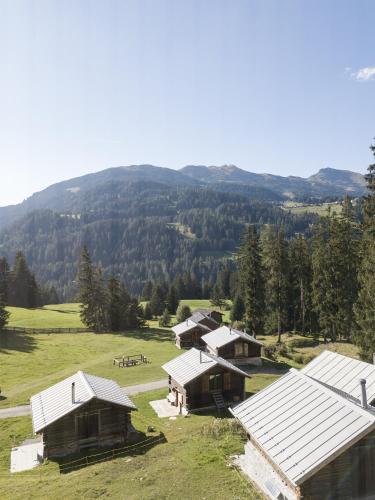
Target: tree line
(19, 288)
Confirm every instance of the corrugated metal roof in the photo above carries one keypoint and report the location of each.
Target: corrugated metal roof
(188, 325)
(301, 424)
(224, 335)
(342, 373)
(193, 363)
(56, 401)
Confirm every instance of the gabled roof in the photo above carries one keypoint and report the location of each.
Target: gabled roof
(55, 402)
(199, 316)
(193, 363)
(188, 325)
(225, 335)
(302, 425)
(206, 312)
(342, 373)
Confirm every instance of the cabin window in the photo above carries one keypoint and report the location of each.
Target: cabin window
(216, 382)
(241, 349)
(88, 425)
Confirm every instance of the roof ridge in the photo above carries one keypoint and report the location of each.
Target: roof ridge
(340, 398)
(86, 383)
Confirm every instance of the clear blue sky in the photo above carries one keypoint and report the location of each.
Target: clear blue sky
(285, 87)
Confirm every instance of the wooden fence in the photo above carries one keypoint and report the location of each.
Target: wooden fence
(18, 329)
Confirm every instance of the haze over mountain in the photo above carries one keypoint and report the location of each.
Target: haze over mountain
(68, 195)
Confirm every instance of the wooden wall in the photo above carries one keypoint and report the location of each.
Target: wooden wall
(62, 437)
(190, 338)
(350, 476)
(197, 394)
(228, 351)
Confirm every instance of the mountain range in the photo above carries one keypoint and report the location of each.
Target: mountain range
(68, 196)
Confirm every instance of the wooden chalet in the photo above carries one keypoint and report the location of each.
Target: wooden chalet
(213, 319)
(189, 333)
(200, 380)
(79, 412)
(311, 433)
(234, 345)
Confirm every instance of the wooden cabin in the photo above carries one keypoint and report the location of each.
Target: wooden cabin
(309, 439)
(234, 345)
(212, 319)
(198, 380)
(189, 334)
(79, 412)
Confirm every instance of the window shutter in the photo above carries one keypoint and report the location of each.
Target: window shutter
(226, 381)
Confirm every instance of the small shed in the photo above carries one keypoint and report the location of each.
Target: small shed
(199, 380)
(307, 440)
(79, 412)
(234, 345)
(189, 333)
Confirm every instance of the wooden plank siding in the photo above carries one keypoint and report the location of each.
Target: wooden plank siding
(197, 394)
(191, 338)
(63, 436)
(232, 350)
(351, 475)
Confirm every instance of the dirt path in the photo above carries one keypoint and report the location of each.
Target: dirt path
(22, 410)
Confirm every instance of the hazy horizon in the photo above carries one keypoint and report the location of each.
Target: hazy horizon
(280, 88)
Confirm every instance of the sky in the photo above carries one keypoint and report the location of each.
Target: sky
(284, 87)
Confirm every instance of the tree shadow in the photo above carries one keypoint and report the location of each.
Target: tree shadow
(67, 311)
(155, 334)
(139, 444)
(16, 341)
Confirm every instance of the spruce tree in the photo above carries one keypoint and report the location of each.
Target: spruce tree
(238, 309)
(172, 300)
(19, 293)
(183, 313)
(114, 306)
(147, 313)
(251, 281)
(365, 305)
(165, 319)
(147, 291)
(4, 277)
(91, 293)
(157, 302)
(300, 283)
(217, 299)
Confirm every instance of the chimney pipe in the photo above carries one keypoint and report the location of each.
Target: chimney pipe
(73, 392)
(363, 392)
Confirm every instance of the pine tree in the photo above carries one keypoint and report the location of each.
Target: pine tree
(223, 281)
(114, 306)
(165, 319)
(4, 277)
(276, 266)
(365, 305)
(251, 281)
(183, 313)
(238, 309)
(19, 294)
(172, 300)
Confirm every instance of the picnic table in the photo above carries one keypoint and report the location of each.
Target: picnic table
(132, 360)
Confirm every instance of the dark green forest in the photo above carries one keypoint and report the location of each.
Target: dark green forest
(142, 231)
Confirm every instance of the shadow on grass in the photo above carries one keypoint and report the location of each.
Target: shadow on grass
(139, 445)
(155, 334)
(16, 341)
(67, 311)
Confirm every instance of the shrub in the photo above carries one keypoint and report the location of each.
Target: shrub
(183, 313)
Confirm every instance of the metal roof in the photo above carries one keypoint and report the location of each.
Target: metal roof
(342, 373)
(224, 335)
(188, 325)
(53, 403)
(301, 424)
(193, 363)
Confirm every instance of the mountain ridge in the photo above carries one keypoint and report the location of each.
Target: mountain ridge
(63, 195)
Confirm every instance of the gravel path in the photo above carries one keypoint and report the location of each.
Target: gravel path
(21, 411)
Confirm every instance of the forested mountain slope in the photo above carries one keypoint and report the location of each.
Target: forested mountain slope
(139, 230)
(72, 195)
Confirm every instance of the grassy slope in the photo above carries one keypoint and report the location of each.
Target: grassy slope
(54, 316)
(189, 465)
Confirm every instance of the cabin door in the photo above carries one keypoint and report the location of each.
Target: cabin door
(216, 382)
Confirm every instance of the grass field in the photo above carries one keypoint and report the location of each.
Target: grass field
(54, 316)
(190, 464)
(319, 209)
